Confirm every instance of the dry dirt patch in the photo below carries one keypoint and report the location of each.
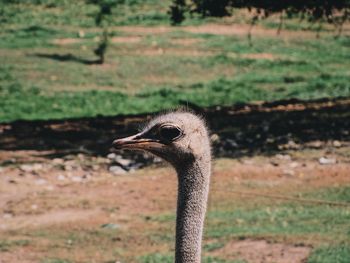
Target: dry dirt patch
(260, 251)
(143, 30)
(71, 41)
(216, 29)
(128, 39)
(171, 52)
(66, 41)
(243, 30)
(46, 219)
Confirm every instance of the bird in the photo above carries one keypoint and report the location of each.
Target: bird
(182, 139)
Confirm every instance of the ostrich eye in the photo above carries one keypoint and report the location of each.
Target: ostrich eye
(169, 133)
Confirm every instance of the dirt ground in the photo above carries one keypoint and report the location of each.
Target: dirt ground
(77, 193)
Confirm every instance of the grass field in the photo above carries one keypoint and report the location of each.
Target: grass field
(47, 71)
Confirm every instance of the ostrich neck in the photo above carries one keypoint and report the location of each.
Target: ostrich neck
(193, 188)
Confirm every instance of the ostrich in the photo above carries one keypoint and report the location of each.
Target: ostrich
(181, 138)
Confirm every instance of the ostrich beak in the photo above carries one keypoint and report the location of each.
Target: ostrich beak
(136, 141)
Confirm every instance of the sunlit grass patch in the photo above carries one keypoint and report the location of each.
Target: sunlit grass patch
(287, 220)
(340, 194)
(332, 253)
(55, 105)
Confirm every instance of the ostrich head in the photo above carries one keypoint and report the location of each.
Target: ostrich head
(181, 138)
(177, 137)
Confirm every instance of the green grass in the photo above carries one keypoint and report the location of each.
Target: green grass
(286, 220)
(157, 258)
(340, 194)
(62, 13)
(40, 79)
(34, 103)
(334, 254)
(27, 37)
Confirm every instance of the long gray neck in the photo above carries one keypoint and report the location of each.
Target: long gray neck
(193, 191)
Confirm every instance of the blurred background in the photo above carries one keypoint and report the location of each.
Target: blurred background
(271, 78)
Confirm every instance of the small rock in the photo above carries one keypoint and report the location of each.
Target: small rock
(116, 170)
(284, 157)
(248, 161)
(76, 179)
(31, 167)
(61, 177)
(315, 144)
(38, 166)
(40, 182)
(111, 156)
(26, 168)
(57, 161)
(49, 188)
(337, 144)
(123, 162)
(95, 167)
(293, 165)
(34, 206)
(7, 216)
(327, 161)
(135, 166)
(215, 138)
(292, 145)
(270, 140)
(157, 160)
(288, 172)
(81, 157)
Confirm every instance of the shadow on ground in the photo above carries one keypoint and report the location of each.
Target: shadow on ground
(240, 130)
(67, 58)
